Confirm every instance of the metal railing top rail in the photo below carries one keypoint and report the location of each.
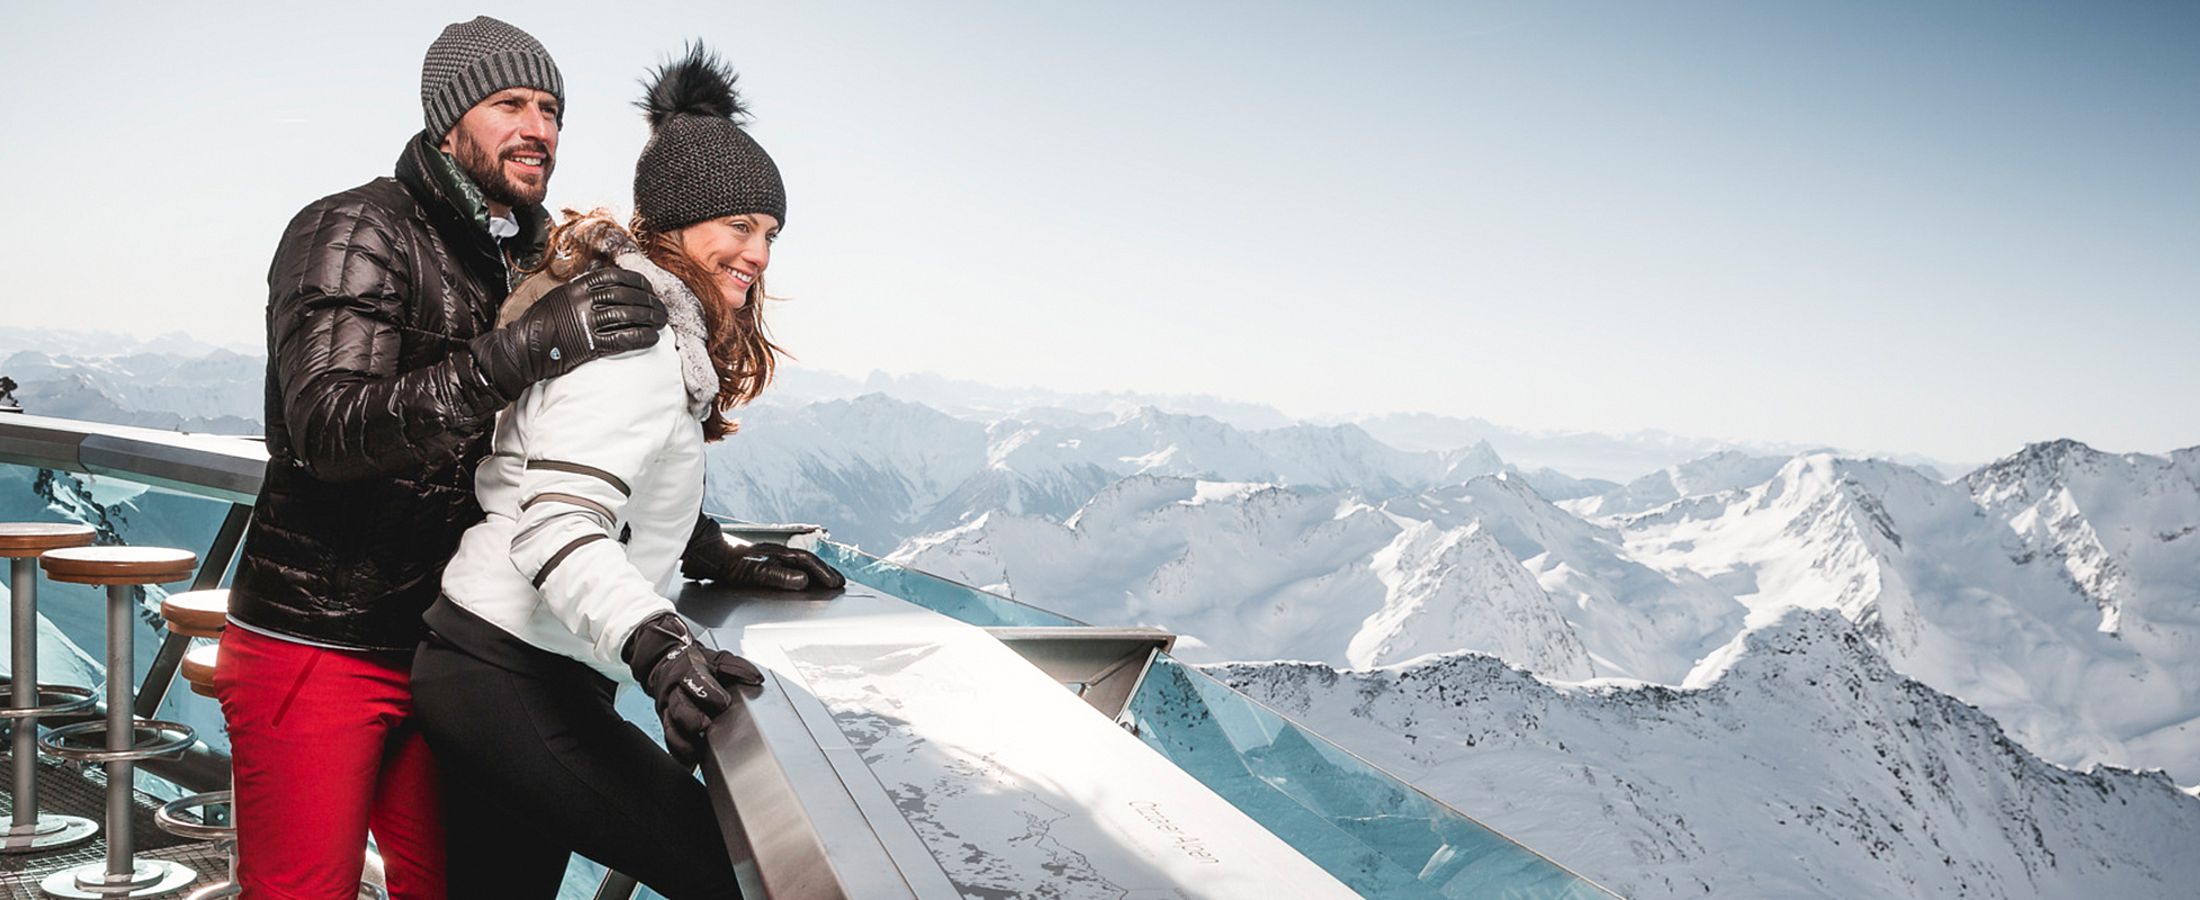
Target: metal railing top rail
(213, 466)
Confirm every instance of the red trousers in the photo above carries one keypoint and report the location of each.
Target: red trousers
(324, 750)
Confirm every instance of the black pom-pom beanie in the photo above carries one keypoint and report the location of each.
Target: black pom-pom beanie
(699, 163)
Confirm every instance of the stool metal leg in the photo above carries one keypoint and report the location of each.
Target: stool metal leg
(170, 819)
(121, 733)
(29, 830)
(124, 875)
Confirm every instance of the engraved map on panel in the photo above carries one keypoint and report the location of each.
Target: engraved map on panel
(996, 831)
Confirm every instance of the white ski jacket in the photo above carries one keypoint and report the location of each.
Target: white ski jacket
(591, 493)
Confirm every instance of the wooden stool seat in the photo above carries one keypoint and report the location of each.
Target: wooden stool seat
(198, 668)
(29, 539)
(118, 565)
(199, 614)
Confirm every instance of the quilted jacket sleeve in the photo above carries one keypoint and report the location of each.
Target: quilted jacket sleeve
(337, 295)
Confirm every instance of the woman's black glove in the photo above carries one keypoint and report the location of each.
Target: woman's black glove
(690, 682)
(598, 314)
(767, 565)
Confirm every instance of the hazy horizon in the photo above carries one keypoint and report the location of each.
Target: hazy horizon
(919, 387)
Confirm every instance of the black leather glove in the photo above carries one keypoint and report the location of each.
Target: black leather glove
(689, 681)
(600, 313)
(767, 565)
(764, 562)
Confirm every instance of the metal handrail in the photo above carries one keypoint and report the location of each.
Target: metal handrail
(213, 466)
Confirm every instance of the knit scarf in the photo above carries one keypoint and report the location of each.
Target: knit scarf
(684, 311)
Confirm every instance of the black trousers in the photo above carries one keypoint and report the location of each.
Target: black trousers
(536, 765)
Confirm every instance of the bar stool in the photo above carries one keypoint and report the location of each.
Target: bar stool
(29, 831)
(127, 739)
(201, 614)
(198, 614)
(198, 670)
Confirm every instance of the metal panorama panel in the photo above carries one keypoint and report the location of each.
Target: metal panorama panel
(1011, 785)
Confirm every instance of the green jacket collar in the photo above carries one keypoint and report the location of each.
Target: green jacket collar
(456, 201)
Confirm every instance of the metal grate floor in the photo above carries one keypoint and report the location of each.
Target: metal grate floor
(63, 789)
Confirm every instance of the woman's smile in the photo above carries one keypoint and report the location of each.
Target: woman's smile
(733, 249)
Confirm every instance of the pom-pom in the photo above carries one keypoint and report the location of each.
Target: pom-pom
(696, 84)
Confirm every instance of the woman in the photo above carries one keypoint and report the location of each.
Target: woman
(591, 499)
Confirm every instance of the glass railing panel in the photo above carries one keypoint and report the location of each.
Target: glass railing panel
(1377, 834)
(948, 598)
(73, 617)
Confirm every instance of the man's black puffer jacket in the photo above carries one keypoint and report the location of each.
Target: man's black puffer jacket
(376, 413)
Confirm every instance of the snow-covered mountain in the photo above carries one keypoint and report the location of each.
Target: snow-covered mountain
(1556, 486)
(1249, 571)
(1979, 587)
(1487, 565)
(1589, 454)
(1724, 470)
(1802, 765)
(216, 391)
(2116, 524)
(870, 468)
(878, 470)
(90, 344)
(1636, 621)
(1262, 570)
(1450, 588)
(985, 403)
(1620, 457)
(1996, 589)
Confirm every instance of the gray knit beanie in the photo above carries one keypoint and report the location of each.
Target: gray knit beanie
(471, 60)
(699, 163)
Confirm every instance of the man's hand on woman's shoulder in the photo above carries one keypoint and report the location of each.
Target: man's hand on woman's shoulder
(601, 313)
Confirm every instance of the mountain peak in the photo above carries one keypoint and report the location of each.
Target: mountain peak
(2040, 462)
(1820, 640)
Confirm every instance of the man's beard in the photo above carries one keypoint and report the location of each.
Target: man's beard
(487, 171)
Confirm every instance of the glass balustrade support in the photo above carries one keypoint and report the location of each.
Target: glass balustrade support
(1104, 663)
(160, 675)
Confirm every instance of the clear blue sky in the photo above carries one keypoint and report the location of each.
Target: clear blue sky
(1946, 228)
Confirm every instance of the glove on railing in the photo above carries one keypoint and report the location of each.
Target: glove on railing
(690, 682)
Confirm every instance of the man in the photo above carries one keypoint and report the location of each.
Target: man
(384, 380)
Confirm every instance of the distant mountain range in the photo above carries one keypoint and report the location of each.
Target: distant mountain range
(209, 390)
(1586, 454)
